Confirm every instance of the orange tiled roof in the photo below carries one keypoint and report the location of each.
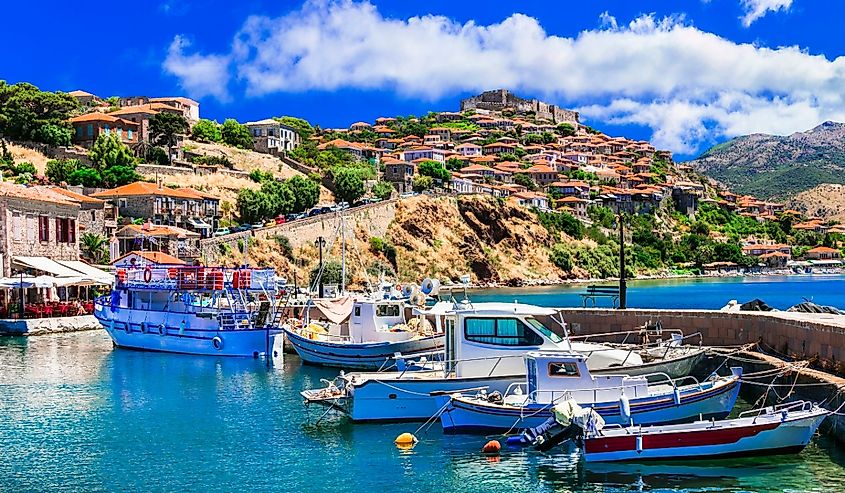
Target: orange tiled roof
(100, 117)
(32, 193)
(75, 196)
(146, 188)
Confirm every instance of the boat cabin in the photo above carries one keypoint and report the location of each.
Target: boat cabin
(381, 320)
(490, 339)
(553, 375)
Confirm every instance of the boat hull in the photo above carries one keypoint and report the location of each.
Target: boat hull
(410, 399)
(194, 336)
(367, 356)
(772, 436)
(678, 367)
(470, 415)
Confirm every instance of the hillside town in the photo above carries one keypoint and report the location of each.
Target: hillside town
(101, 199)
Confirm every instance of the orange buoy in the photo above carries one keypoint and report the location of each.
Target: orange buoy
(405, 440)
(492, 447)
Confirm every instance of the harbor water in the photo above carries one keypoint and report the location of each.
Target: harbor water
(78, 415)
(707, 293)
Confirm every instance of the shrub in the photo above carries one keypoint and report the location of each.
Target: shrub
(59, 170)
(285, 247)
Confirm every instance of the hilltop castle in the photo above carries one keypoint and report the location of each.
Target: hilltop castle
(502, 99)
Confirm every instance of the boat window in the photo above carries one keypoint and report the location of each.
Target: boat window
(544, 330)
(500, 332)
(357, 311)
(387, 311)
(563, 370)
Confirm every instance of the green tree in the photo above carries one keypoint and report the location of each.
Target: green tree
(26, 113)
(524, 180)
(565, 129)
(236, 135)
(253, 205)
(280, 197)
(109, 151)
(116, 176)
(259, 176)
(306, 193)
(302, 127)
(165, 129)
(157, 155)
(59, 170)
(561, 257)
(422, 183)
(94, 248)
(25, 168)
(348, 184)
(87, 177)
(383, 190)
(206, 131)
(332, 273)
(434, 170)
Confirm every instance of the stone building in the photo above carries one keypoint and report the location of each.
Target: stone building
(182, 207)
(502, 99)
(95, 215)
(189, 108)
(88, 127)
(36, 222)
(171, 240)
(400, 174)
(141, 115)
(272, 137)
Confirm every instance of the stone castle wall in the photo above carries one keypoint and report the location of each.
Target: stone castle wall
(502, 99)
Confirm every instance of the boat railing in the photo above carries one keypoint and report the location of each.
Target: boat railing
(789, 406)
(196, 278)
(453, 364)
(650, 345)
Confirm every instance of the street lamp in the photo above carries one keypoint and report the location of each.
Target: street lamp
(320, 243)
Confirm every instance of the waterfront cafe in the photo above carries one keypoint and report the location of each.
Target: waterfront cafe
(42, 289)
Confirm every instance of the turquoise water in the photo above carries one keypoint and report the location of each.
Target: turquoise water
(78, 415)
(780, 292)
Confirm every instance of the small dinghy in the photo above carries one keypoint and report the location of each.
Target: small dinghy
(782, 429)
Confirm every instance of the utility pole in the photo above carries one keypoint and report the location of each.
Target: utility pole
(623, 283)
(320, 242)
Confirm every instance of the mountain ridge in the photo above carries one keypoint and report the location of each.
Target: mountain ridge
(777, 166)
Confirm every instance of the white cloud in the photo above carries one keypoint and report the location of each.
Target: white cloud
(199, 75)
(755, 9)
(687, 85)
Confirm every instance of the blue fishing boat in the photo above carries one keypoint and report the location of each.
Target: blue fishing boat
(194, 310)
(558, 376)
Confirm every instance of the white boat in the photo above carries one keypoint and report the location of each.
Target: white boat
(782, 429)
(194, 310)
(484, 347)
(554, 377)
(376, 331)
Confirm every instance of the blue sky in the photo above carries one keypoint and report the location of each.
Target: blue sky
(684, 74)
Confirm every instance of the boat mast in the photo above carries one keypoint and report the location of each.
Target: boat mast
(342, 253)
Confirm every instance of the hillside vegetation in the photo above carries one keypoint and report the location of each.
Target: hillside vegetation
(778, 167)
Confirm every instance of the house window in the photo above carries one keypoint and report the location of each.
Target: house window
(107, 129)
(129, 133)
(61, 230)
(93, 215)
(43, 228)
(79, 131)
(90, 130)
(120, 133)
(121, 202)
(71, 231)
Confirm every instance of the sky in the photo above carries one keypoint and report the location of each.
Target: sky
(685, 74)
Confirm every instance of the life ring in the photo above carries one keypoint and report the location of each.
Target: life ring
(399, 288)
(128, 328)
(148, 274)
(121, 276)
(217, 342)
(143, 327)
(162, 330)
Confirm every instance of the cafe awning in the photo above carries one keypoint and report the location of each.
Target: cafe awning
(89, 271)
(45, 264)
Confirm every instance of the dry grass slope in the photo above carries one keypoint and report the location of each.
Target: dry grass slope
(826, 201)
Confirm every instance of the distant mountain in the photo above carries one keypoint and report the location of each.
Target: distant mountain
(775, 166)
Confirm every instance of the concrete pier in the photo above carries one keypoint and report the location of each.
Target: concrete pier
(52, 325)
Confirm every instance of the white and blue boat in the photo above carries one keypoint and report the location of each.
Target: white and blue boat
(557, 376)
(194, 310)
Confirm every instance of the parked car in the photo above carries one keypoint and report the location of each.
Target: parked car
(240, 228)
(280, 219)
(257, 225)
(315, 212)
(407, 195)
(269, 223)
(222, 232)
